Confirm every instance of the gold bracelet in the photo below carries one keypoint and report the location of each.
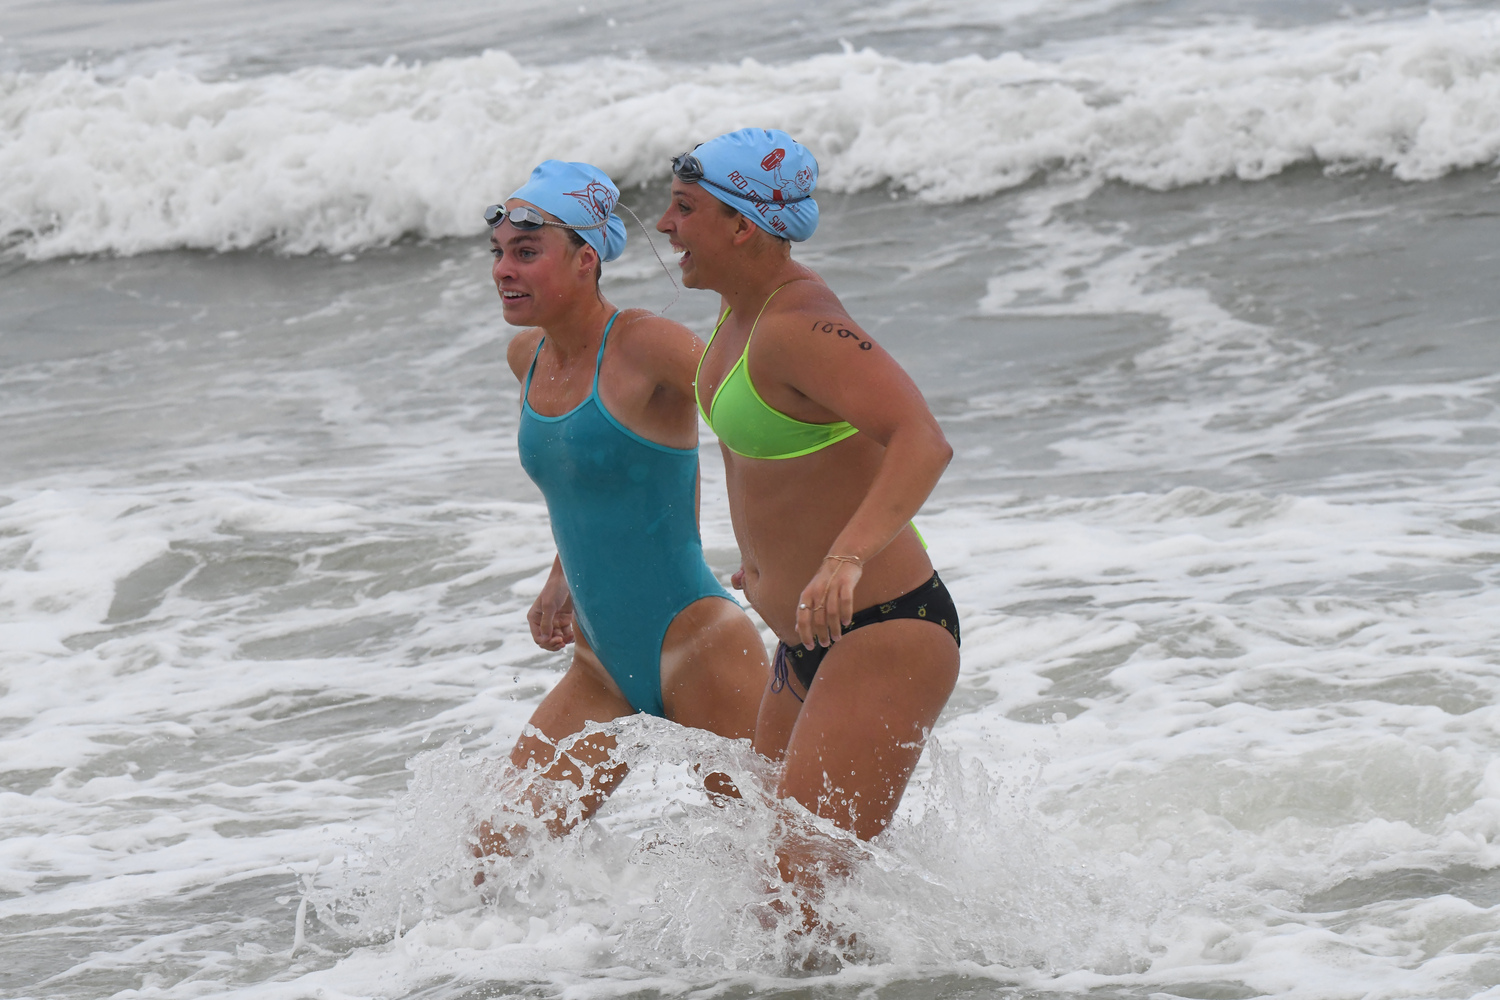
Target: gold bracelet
(856, 560)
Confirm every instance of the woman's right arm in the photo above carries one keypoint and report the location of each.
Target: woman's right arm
(551, 614)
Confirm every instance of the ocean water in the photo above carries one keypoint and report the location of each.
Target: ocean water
(1204, 294)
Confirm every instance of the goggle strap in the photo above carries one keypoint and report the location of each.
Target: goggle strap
(564, 225)
(652, 244)
(754, 198)
(685, 171)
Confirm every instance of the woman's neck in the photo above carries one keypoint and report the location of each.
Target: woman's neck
(746, 288)
(580, 328)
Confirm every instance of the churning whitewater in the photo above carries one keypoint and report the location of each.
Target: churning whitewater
(336, 159)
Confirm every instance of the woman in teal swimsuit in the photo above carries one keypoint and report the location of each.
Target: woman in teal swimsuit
(609, 434)
(830, 450)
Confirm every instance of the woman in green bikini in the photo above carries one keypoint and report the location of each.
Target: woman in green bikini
(830, 450)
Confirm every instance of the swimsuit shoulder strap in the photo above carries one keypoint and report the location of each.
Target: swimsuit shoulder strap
(599, 361)
(699, 372)
(526, 391)
(746, 353)
(717, 327)
(722, 317)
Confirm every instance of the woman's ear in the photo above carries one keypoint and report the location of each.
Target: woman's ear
(744, 229)
(587, 261)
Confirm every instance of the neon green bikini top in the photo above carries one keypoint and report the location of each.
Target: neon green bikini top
(747, 424)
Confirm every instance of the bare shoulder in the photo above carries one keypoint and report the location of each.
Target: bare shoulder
(809, 315)
(651, 341)
(521, 349)
(642, 326)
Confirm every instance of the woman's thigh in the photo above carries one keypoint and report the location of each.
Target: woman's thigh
(859, 735)
(713, 669)
(777, 716)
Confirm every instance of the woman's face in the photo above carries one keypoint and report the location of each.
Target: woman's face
(538, 272)
(700, 230)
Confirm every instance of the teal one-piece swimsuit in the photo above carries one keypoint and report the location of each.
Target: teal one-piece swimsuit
(624, 516)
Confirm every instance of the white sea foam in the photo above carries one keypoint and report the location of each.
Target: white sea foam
(338, 159)
(1267, 713)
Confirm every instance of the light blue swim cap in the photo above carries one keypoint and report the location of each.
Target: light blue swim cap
(579, 194)
(765, 174)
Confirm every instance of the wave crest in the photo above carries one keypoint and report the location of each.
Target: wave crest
(339, 159)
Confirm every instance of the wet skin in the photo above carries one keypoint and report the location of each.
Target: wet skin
(849, 750)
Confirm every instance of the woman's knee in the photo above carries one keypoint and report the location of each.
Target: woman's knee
(533, 752)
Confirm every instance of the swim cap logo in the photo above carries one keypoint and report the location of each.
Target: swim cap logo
(596, 200)
(801, 180)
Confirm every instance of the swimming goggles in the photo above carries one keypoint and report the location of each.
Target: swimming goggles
(525, 219)
(687, 167)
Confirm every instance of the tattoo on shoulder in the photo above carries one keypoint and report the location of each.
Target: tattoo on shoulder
(829, 326)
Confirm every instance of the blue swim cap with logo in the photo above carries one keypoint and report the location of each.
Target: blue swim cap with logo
(766, 175)
(579, 194)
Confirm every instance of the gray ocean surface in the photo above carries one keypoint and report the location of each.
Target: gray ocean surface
(1205, 295)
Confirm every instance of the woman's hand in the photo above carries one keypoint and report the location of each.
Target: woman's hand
(827, 602)
(551, 614)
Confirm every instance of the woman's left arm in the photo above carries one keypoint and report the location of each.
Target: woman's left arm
(839, 367)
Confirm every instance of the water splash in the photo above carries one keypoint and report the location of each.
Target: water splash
(668, 877)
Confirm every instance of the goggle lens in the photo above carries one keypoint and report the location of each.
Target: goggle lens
(521, 217)
(687, 167)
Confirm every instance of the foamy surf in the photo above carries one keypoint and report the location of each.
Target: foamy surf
(339, 159)
(666, 880)
(1175, 755)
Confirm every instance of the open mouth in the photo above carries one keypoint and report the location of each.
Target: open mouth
(508, 297)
